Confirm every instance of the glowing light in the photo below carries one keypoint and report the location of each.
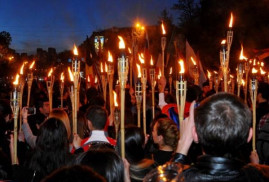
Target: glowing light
(139, 70)
(254, 70)
(231, 21)
(50, 72)
(21, 69)
(160, 73)
(141, 58)
(88, 79)
(71, 76)
(242, 57)
(75, 50)
(163, 29)
(16, 82)
(208, 74)
(105, 67)
(231, 76)
(223, 42)
(243, 82)
(151, 61)
(193, 61)
(95, 79)
(171, 71)
(121, 43)
(110, 58)
(129, 50)
(62, 76)
(262, 64)
(32, 65)
(115, 99)
(102, 68)
(262, 71)
(181, 63)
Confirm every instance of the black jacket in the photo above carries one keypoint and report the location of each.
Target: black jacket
(208, 168)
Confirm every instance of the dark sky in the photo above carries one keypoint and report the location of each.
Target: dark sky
(61, 23)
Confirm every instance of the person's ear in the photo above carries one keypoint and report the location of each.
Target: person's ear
(194, 135)
(250, 134)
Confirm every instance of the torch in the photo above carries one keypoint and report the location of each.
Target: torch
(144, 84)
(30, 81)
(247, 68)
(181, 93)
(170, 79)
(153, 82)
(104, 79)
(22, 82)
(224, 62)
(163, 44)
(138, 95)
(230, 34)
(50, 82)
(110, 74)
(14, 102)
(195, 72)
(253, 88)
(240, 70)
(72, 98)
(62, 88)
(210, 80)
(116, 114)
(123, 68)
(88, 82)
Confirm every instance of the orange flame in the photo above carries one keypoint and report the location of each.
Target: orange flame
(254, 70)
(231, 21)
(110, 58)
(181, 63)
(262, 64)
(160, 73)
(105, 67)
(101, 67)
(75, 50)
(243, 82)
(16, 82)
(62, 76)
(163, 29)
(242, 57)
(21, 69)
(151, 61)
(231, 76)
(129, 50)
(141, 58)
(95, 79)
(50, 72)
(88, 79)
(115, 99)
(121, 43)
(193, 61)
(32, 65)
(262, 71)
(223, 42)
(208, 74)
(171, 71)
(71, 76)
(139, 70)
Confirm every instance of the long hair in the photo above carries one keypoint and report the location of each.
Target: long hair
(63, 116)
(51, 147)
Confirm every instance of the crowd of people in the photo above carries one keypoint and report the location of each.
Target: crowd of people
(212, 143)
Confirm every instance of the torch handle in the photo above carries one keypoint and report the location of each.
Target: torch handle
(122, 106)
(153, 101)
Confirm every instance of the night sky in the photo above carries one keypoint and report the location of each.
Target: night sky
(61, 23)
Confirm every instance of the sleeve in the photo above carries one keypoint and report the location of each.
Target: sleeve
(29, 137)
(180, 158)
(162, 102)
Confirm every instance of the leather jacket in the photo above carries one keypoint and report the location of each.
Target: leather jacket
(209, 168)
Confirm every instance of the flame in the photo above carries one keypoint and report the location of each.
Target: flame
(105, 67)
(50, 72)
(75, 50)
(151, 61)
(101, 68)
(129, 50)
(254, 62)
(88, 79)
(115, 99)
(21, 69)
(231, 21)
(137, 25)
(254, 70)
(193, 61)
(71, 76)
(223, 42)
(242, 57)
(117, 82)
(110, 58)
(121, 43)
(141, 58)
(171, 71)
(139, 70)
(16, 82)
(181, 63)
(262, 71)
(231, 76)
(32, 65)
(62, 76)
(163, 29)
(95, 79)
(243, 82)
(215, 72)
(262, 64)
(160, 74)
(208, 74)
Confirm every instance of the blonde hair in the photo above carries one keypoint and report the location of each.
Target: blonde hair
(61, 115)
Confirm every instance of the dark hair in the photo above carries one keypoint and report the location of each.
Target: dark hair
(98, 116)
(222, 123)
(51, 147)
(75, 173)
(263, 89)
(168, 129)
(5, 108)
(40, 102)
(134, 143)
(105, 162)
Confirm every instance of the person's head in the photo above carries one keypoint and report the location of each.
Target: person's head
(82, 127)
(62, 115)
(97, 117)
(165, 133)
(263, 92)
(5, 110)
(76, 173)
(222, 123)
(206, 87)
(43, 106)
(134, 144)
(51, 147)
(105, 162)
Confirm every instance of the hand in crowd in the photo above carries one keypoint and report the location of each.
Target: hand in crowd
(254, 158)
(21, 137)
(76, 141)
(161, 84)
(186, 130)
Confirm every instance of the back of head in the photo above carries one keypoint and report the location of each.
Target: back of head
(263, 89)
(97, 115)
(105, 162)
(5, 108)
(61, 115)
(74, 173)
(222, 123)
